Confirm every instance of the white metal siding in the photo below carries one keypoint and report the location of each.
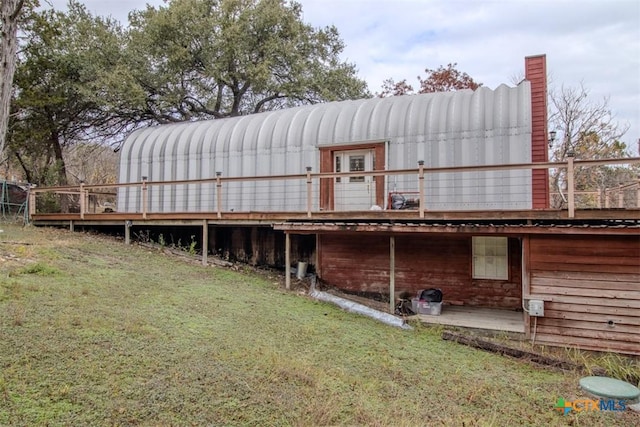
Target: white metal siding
(462, 128)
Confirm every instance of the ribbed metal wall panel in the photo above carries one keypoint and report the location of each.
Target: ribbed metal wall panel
(462, 128)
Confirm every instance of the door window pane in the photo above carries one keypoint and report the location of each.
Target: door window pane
(356, 164)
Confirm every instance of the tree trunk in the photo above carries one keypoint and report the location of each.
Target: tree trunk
(9, 14)
(25, 168)
(61, 169)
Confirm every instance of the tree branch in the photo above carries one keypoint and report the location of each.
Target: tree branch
(262, 102)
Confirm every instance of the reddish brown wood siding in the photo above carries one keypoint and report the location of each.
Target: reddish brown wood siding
(591, 285)
(355, 263)
(326, 165)
(360, 263)
(536, 73)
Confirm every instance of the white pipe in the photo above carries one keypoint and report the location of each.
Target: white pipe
(354, 307)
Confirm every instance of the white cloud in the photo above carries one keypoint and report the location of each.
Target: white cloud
(592, 42)
(595, 42)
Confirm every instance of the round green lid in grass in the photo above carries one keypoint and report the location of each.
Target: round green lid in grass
(609, 387)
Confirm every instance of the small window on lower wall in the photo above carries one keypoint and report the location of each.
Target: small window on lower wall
(490, 260)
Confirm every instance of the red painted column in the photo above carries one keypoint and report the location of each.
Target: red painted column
(536, 73)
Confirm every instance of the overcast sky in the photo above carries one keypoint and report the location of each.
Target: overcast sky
(594, 42)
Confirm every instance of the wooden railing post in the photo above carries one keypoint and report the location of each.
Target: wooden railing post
(621, 197)
(219, 194)
(421, 186)
(144, 197)
(83, 200)
(570, 189)
(638, 193)
(32, 201)
(309, 190)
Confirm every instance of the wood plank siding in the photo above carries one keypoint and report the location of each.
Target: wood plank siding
(591, 288)
(360, 263)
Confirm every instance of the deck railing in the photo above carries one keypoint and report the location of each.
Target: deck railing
(222, 194)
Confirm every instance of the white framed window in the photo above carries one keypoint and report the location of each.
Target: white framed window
(490, 258)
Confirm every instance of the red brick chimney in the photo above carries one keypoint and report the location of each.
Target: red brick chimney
(536, 72)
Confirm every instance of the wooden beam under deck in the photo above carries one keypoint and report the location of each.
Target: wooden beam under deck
(475, 229)
(509, 223)
(266, 218)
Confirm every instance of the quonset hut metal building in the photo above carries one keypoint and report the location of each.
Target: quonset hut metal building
(583, 272)
(465, 128)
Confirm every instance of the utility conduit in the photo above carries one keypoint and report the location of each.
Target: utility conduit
(354, 307)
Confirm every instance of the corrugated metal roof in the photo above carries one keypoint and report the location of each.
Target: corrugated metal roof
(444, 129)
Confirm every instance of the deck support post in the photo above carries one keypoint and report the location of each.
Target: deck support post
(71, 226)
(570, 185)
(287, 260)
(526, 282)
(218, 195)
(421, 186)
(205, 241)
(309, 189)
(392, 274)
(127, 232)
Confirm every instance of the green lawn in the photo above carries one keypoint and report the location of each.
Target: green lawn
(93, 332)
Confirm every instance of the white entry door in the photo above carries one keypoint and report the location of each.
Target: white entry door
(354, 192)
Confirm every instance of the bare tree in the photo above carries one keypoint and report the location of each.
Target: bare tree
(392, 88)
(9, 15)
(91, 163)
(440, 79)
(585, 130)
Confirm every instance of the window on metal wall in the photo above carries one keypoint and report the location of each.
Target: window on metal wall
(490, 259)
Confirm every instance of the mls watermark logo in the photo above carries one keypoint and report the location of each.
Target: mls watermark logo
(582, 405)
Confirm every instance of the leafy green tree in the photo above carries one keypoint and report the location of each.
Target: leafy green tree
(84, 79)
(212, 59)
(58, 99)
(10, 12)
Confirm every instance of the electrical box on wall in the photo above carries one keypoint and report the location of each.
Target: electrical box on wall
(536, 308)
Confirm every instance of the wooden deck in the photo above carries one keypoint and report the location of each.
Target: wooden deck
(478, 318)
(266, 218)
